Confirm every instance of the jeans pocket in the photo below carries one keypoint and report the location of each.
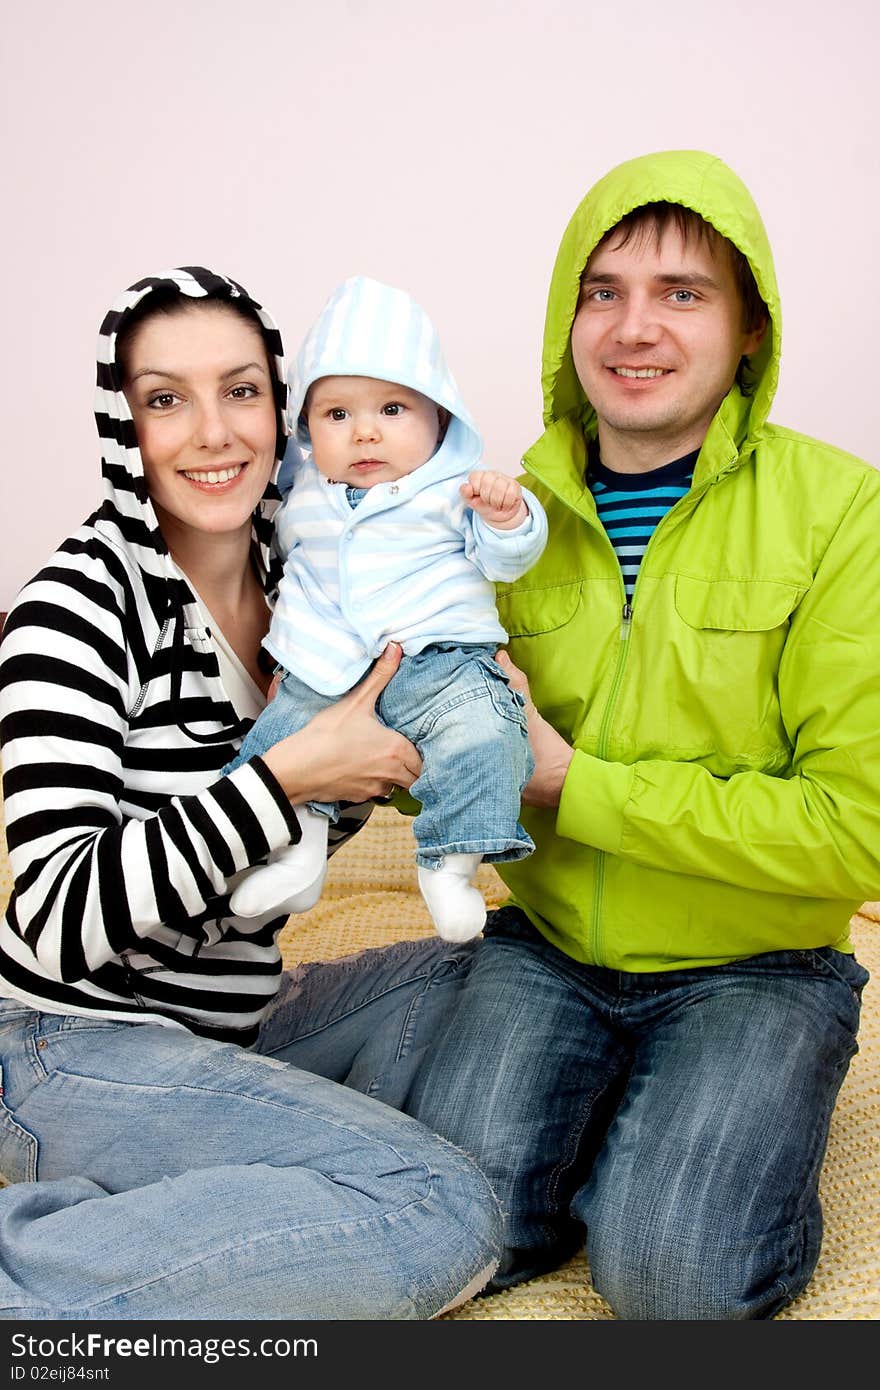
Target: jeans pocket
(507, 702)
(19, 1150)
(510, 923)
(840, 965)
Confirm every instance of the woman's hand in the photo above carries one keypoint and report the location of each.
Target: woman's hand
(344, 753)
(550, 751)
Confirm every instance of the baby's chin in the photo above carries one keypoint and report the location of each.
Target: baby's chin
(369, 474)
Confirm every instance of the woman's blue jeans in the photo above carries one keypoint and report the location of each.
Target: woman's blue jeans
(159, 1175)
(677, 1121)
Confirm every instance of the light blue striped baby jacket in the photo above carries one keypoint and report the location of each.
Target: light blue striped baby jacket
(412, 562)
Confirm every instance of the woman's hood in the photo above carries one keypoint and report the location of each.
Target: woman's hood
(127, 516)
(370, 329)
(694, 180)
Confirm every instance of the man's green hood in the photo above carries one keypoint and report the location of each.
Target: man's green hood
(707, 186)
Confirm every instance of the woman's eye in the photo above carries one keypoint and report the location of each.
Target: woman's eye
(243, 392)
(162, 400)
(392, 408)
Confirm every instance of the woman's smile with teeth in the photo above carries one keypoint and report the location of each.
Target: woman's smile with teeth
(214, 475)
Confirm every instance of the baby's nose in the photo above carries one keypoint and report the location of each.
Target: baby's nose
(366, 426)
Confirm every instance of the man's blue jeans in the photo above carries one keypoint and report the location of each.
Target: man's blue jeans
(678, 1120)
(455, 705)
(158, 1175)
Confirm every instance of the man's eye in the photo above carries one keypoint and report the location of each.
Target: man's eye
(682, 297)
(392, 408)
(600, 295)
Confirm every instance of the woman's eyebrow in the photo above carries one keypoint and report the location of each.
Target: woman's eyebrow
(154, 371)
(245, 367)
(175, 376)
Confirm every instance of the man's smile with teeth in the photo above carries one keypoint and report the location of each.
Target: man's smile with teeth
(214, 475)
(640, 372)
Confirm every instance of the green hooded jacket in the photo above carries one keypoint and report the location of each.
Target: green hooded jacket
(724, 796)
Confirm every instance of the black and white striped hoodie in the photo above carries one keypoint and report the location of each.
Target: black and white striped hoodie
(124, 842)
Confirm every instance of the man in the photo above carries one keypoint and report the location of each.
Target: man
(655, 1027)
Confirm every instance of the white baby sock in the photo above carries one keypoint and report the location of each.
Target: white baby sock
(456, 906)
(294, 876)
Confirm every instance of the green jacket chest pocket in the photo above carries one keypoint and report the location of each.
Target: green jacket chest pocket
(549, 631)
(729, 641)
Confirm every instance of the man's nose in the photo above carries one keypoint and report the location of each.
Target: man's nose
(638, 321)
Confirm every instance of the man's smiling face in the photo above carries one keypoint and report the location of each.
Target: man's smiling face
(657, 338)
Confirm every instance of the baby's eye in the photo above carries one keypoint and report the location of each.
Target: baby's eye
(337, 413)
(393, 408)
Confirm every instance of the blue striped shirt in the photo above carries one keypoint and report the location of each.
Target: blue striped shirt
(631, 504)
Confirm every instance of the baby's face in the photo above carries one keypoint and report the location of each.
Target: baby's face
(366, 431)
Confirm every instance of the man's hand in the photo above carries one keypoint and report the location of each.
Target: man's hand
(497, 498)
(550, 751)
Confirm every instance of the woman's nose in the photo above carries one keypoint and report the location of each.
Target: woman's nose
(212, 430)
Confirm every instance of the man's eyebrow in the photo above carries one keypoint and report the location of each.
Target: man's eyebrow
(173, 376)
(595, 277)
(688, 279)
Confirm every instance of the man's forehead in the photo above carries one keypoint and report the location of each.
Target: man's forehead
(667, 250)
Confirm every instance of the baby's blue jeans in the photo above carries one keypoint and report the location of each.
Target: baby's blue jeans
(469, 726)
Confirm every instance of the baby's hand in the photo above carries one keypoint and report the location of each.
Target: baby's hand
(497, 498)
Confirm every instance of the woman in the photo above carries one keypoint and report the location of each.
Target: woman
(166, 1156)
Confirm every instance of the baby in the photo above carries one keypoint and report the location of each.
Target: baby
(389, 533)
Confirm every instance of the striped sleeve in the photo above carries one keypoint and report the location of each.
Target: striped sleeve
(91, 880)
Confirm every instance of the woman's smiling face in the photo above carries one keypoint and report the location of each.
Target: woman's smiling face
(200, 390)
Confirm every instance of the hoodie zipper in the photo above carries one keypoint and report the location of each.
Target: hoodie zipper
(626, 619)
(688, 502)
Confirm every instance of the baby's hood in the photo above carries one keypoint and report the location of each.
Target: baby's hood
(370, 329)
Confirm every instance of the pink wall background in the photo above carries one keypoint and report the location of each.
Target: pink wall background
(440, 145)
